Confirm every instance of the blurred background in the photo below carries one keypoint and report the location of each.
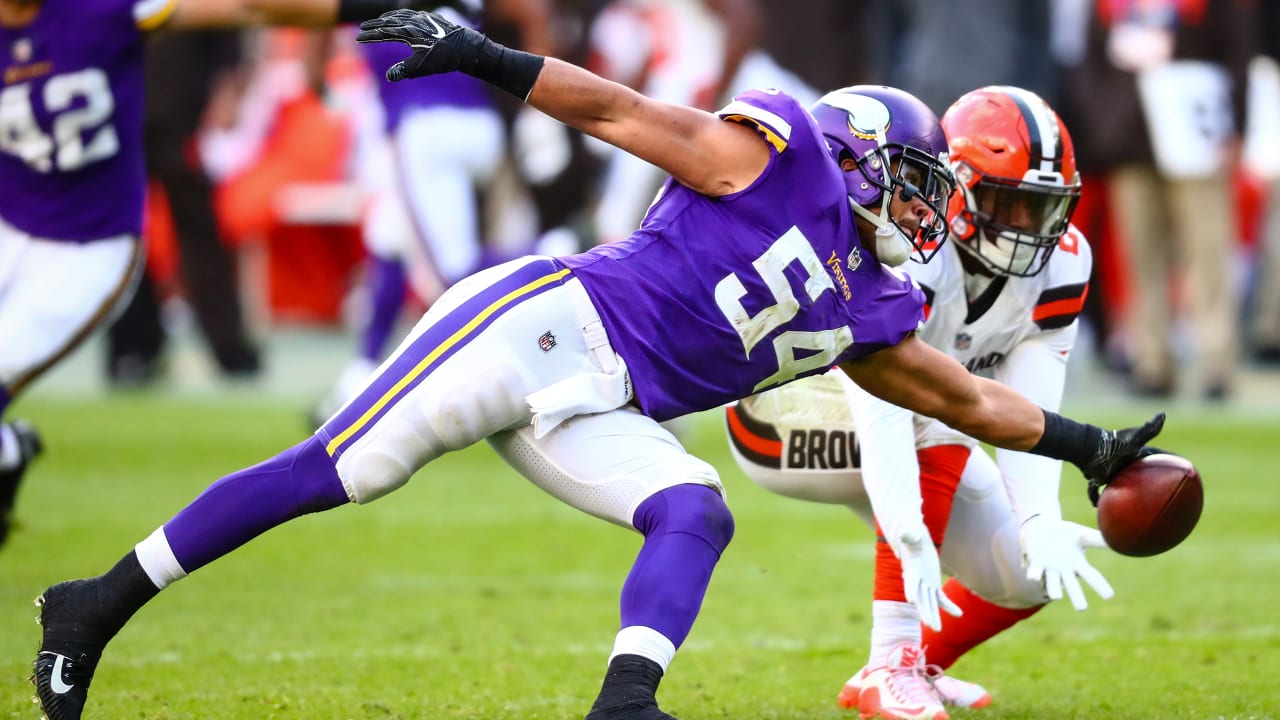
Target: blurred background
(304, 212)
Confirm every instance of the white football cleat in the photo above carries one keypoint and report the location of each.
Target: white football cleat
(899, 690)
(956, 692)
(848, 698)
(953, 691)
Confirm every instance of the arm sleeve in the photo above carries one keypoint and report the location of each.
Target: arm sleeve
(1036, 368)
(890, 471)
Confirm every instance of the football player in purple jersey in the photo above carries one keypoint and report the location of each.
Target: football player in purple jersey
(762, 261)
(72, 172)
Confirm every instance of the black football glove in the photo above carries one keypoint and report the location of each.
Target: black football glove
(1116, 450)
(439, 46)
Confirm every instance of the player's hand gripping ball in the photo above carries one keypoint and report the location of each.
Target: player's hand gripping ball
(1151, 505)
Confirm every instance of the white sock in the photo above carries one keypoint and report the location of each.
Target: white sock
(892, 624)
(157, 559)
(10, 453)
(645, 642)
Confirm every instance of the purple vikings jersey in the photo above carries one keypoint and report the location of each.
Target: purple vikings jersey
(449, 89)
(71, 154)
(715, 299)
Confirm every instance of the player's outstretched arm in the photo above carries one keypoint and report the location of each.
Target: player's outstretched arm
(698, 149)
(918, 377)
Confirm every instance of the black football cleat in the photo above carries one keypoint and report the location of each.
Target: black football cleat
(636, 711)
(628, 692)
(29, 446)
(69, 650)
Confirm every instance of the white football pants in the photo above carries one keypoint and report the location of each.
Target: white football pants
(515, 354)
(55, 294)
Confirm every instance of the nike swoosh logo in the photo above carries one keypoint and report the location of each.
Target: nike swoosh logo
(55, 680)
(439, 32)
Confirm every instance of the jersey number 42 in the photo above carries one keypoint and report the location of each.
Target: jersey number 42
(80, 103)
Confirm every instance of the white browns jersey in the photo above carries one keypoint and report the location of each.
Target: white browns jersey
(1014, 332)
(825, 439)
(983, 335)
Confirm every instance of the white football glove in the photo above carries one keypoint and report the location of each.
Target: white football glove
(1053, 552)
(922, 576)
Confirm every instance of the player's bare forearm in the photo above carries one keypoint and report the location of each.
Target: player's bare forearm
(925, 380)
(697, 148)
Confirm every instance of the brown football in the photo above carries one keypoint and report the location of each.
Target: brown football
(1152, 505)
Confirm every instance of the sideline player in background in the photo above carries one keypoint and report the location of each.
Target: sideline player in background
(72, 172)
(689, 52)
(568, 365)
(441, 143)
(1004, 298)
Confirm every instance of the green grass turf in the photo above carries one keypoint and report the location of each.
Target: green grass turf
(469, 594)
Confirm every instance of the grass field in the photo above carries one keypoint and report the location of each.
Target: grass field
(469, 594)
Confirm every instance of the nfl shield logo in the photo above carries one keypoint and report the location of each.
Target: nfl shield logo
(963, 341)
(22, 50)
(547, 341)
(855, 259)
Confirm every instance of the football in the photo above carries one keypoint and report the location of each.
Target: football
(1152, 505)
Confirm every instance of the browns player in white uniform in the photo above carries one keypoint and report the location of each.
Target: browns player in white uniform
(1003, 299)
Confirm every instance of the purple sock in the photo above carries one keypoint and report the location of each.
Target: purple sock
(245, 504)
(685, 527)
(386, 297)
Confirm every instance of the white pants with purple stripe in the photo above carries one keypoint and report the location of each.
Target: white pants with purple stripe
(520, 334)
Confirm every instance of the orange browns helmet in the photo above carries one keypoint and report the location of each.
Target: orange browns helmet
(1016, 177)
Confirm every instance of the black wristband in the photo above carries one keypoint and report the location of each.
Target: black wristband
(512, 70)
(352, 11)
(1066, 439)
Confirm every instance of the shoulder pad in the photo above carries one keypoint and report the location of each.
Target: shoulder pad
(772, 113)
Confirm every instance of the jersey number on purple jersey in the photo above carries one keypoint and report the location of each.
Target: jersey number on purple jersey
(79, 103)
(821, 348)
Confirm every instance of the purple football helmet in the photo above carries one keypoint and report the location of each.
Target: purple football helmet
(900, 148)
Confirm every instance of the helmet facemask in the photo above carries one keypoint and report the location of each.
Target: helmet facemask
(1015, 167)
(1011, 227)
(907, 173)
(900, 151)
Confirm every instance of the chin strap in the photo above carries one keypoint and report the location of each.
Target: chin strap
(893, 247)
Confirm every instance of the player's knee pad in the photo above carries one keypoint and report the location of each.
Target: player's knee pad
(385, 459)
(695, 510)
(372, 475)
(469, 408)
(455, 412)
